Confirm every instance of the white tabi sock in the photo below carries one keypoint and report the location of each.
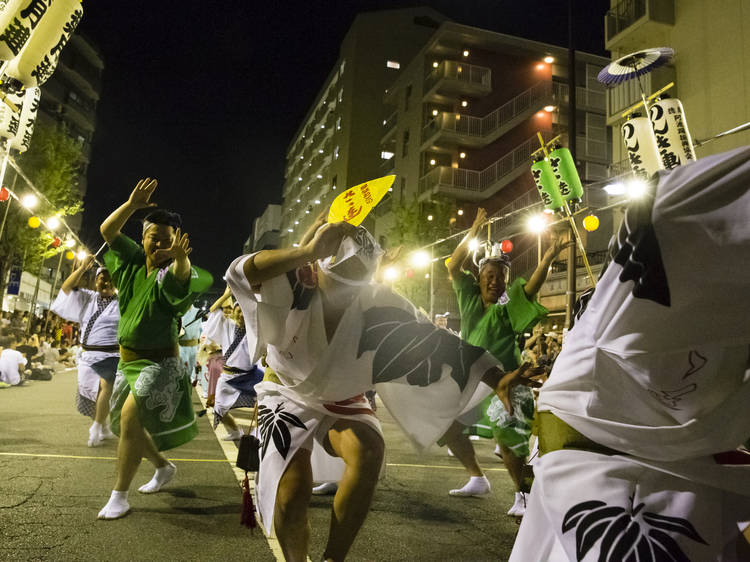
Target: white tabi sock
(116, 507)
(95, 435)
(476, 486)
(162, 476)
(106, 432)
(519, 505)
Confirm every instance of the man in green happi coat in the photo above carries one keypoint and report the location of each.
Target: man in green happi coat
(151, 402)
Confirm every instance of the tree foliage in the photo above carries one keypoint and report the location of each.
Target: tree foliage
(53, 163)
(412, 230)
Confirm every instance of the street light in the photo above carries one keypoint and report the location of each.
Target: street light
(81, 255)
(390, 273)
(635, 188)
(29, 201)
(537, 223)
(420, 258)
(53, 223)
(69, 243)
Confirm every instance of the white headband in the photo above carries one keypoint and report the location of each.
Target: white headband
(361, 246)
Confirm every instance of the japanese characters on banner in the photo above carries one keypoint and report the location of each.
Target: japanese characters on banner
(355, 203)
(566, 174)
(16, 20)
(46, 28)
(18, 127)
(22, 139)
(640, 143)
(672, 136)
(544, 178)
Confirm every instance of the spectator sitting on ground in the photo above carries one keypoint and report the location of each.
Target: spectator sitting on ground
(12, 362)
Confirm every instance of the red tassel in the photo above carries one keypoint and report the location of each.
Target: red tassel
(248, 509)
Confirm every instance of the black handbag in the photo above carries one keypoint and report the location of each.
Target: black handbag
(248, 454)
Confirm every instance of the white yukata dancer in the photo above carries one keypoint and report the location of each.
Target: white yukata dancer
(235, 387)
(98, 314)
(331, 336)
(648, 400)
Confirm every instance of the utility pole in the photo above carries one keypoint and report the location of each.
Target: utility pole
(571, 292)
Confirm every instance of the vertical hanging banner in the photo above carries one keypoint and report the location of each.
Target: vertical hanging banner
(18, 18)
(640, 143)
(355, 203)
(26, 119)
(10, 121)
(57, 20)
(566, 174)
(545, 181)
(672, 135)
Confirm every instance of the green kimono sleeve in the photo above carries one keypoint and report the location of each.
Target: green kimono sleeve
(123, 252)
(522, 312)
(178, 296)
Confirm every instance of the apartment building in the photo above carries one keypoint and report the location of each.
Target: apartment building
(337, 143)
(266, 231)
(712, 53)
(72, 93)
(464, 119)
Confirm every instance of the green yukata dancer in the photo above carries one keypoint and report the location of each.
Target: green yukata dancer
(493, 315)
(151, 407)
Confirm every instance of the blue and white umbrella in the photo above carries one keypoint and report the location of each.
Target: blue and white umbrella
(635, 64)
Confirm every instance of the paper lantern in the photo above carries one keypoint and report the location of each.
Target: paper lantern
(640, 143)
(506, 246)
(544, 178)
(591, 223)
(15, 27)
(4, 194)
(34, 222)
(566, 174)
(36, 62)
(355, 203)
(56, 242)
(672, 135)
(69, 255)
(10, 121)
(26, 119)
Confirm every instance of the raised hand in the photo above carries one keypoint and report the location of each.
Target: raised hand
(327, 239)
(479, 220)
(141, 195)
(179, 250)
(525, 375)
(558, 245)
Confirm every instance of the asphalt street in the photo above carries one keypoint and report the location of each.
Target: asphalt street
(52, 486)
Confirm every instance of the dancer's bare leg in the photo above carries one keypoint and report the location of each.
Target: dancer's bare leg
(102, 401)
(290, 513)
(134, 444)
(362, 449)
(515, 466)
(460, 445)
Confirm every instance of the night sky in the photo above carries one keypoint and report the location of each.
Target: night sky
(207, 99)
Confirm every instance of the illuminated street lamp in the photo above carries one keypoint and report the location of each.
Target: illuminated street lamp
(53, 223)
(29, 201)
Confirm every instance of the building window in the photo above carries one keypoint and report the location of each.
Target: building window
(338, 123)
(341, 68)
(407, 95)
(393, 64)
(405, 143)
(336, 153)
(333, 183)
(341, 95)
(386, 155)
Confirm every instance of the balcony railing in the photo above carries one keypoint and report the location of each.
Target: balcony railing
(586, 147)
(585, 97)
(479, 181)
(623, 15)
(486, 126)
(469, 74)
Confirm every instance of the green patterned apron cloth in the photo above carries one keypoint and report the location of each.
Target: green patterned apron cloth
(163, 394)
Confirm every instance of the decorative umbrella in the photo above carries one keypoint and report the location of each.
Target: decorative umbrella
(634, 65)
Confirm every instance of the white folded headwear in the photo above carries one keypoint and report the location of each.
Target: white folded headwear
(362, 247)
